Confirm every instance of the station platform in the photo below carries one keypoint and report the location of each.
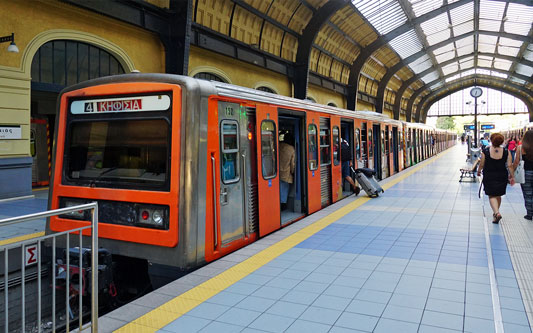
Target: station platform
(423, 257)
(36, 203)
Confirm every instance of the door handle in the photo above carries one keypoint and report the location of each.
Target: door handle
(224, 196)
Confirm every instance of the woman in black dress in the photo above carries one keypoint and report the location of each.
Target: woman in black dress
(495, 160)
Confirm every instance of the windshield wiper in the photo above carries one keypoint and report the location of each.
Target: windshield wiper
(93, 182)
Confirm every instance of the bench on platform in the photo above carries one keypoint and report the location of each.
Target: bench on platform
(469, 172)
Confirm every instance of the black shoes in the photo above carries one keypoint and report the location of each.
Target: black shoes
(528, 217)
(496, 218)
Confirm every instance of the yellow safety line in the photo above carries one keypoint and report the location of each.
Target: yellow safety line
(175, 308)
(40, 189)
(21, 238)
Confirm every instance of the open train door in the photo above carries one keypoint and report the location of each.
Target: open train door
(267, 169)
(313, 164)
(336, 174)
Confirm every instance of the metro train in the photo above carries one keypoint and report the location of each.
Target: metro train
(185, 170)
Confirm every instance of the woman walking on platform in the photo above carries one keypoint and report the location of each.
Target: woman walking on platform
(495, 160)
(526, 154)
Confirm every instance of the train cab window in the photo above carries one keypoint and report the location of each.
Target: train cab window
(370, 147)
(357, 144)
(336, 147)
(269, 149)
(123, 153)
(230, 151)
(325, 157)
(313, 151)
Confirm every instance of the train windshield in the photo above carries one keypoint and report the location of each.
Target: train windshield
(123, 153)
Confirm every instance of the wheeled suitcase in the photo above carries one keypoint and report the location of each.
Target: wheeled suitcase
(365, 177)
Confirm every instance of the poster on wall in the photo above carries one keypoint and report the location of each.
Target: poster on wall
(8, 132)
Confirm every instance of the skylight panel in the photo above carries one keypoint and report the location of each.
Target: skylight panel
(430, 77)
(384, 15)
(524, 70)
(446, 48)
(516, 28)
(510, 42)
(487, 44)
(466, 64)
(492, 10)
(445, 56)
(453, 78)
(421, 64)
(517, 80)
(438, 37)
(510, 51)
(519, 13)
(528, 55)
(502, 64)
(436, 24)
(451, 68)
(406, 44)
(462, 13)
(483, 71)
(463, 28)
(518, 19)
(489, 25)
(465, 45)
(468, 72)
(421, 7)
(498, 74)
(484, 61)
(436, 85)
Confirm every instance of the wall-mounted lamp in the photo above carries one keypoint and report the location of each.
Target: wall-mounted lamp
(12, 47)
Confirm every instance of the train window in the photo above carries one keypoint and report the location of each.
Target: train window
(313, 151)
(268, 149)
(400, 143)
(357, 144)
(229, 130)
(123, 152)
(370, 148)
(384, 143)
(336, 147)
(325, 157)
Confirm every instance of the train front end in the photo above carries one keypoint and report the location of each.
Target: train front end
(118, 143)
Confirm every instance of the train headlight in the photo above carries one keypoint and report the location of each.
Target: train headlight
(79, 214)
(152, 216)
(157, 217)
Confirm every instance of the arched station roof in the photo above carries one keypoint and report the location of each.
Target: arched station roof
(394, 53)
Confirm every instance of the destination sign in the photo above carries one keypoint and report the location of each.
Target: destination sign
(470, 127)
(487, 127)
(132, 104)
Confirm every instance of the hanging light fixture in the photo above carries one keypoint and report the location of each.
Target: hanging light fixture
(12, 47)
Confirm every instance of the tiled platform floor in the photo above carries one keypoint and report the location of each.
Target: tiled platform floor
(39, 203)
(416, 259)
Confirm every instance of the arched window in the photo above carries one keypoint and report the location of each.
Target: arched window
(332, 104)
(311, 99)
(267, 89)
(209, 77)
(61, 63)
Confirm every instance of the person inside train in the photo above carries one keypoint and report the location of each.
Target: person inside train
(287, 164)
(346, 158)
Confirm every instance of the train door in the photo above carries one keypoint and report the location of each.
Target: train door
(364, 146)
(336, 173)
(395, 150)
(325, 162)
(385, 158)
(370, 141)
(313, 169)
(414, 139)
(267, 165)
(376, 139)
(236, 154)
(347, 134)
(290, 128)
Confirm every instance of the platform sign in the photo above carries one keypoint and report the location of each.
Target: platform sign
(32, 254)
(8, 132)
(485, 127)
(469, 127)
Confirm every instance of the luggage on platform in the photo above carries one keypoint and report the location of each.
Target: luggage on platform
(365, 178)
